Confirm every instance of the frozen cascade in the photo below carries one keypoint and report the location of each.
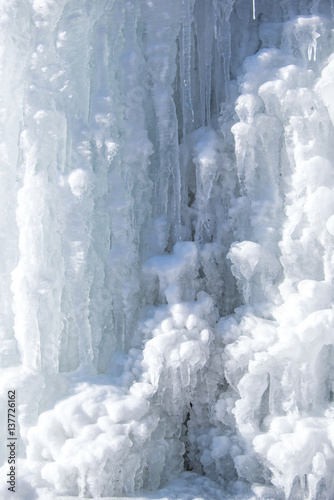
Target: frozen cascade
(167, 233)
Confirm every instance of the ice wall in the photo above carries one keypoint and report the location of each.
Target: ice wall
(167, 247)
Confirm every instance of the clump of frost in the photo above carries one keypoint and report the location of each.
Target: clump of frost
(279, 353)
(79, 182)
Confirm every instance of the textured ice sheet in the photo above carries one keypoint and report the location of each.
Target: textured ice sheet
(167, 247)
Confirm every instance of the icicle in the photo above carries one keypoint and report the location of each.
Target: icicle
(204, 37)
(254, 16)
(312, 48)
(187, 105)
(221, 62)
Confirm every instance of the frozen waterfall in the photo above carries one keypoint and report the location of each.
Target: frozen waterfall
(167, 249)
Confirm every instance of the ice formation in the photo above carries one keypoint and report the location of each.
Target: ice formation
(167, 234)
